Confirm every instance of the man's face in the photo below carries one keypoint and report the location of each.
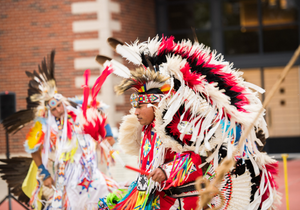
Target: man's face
(58, 110)
(144, 114)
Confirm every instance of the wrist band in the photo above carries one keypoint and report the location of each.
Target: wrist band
(108, 131)
(43, 172)
(163, 171)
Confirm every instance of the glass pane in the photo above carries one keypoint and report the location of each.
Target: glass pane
(279, 39)
(241, 42)
(282, 32)
(279, 12)
(203, 37)
(240, 13)
(187, 15)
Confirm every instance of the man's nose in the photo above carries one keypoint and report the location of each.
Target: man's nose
(136, 112)
(61, 109)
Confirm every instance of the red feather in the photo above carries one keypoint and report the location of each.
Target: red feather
(95, 128)
(166, 45)
(272, 170)
(191, 79)
(98, 84)
(86, 91)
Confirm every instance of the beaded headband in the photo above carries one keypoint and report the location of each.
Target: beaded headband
(136, 99)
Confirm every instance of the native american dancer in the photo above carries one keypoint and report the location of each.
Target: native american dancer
(105, 157)
(193, 107)
(62, 143)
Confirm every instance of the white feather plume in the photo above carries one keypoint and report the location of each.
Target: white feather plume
(130, 53)
(153, 45)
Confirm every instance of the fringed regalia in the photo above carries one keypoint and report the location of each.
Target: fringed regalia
(67, 145)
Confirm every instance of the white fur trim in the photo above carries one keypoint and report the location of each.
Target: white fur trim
(130, 135)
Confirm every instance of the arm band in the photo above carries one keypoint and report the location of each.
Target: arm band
(108, 131)
(163, 172)
(43, 172)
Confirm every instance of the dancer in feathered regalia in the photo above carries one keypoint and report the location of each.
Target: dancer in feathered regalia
(194, 107)
(62, 143)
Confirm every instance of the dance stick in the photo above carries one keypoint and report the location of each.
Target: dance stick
(115, 154)
(137, 170)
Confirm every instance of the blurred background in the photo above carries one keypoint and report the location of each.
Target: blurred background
(257, 36)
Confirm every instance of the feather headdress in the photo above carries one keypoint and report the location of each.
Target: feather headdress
(90, 119)
(41, 88)
(206, 109)
(206, 94)
(142, 80)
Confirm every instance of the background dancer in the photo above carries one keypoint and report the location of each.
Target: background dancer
(62, 144)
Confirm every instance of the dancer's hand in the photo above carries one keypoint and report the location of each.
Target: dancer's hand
(157, 175)
(48, 182)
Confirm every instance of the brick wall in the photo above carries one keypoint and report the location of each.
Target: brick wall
(30, 29)
(138, 22)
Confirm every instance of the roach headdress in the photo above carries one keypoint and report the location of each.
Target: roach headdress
(204, 93)
(206, 108)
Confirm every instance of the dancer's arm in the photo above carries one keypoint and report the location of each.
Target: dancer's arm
(37, 158)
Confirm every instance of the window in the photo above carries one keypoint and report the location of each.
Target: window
(182, 16)
(265, 26)
(240, 29)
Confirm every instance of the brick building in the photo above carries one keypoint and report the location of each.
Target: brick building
(78, 31)
(258, 36)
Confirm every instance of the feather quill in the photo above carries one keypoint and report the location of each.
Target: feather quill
(113, 42)
(118, 68)
(101, 59)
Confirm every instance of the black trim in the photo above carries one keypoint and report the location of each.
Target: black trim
(181, 189)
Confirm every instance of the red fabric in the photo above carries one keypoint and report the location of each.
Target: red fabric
(149, 156)
(69, 129)
(69, 124)
(73, 115)
(169, 155)
(196, 160)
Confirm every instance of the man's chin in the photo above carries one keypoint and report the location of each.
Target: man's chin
(141, 122)
(62, 115)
